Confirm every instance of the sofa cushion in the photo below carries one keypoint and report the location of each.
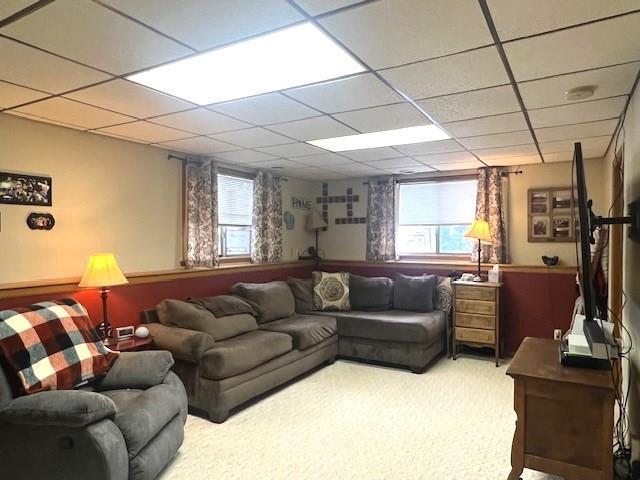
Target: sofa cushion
(240, 354)
(142, 414)
(272, 300)
(370, 293)
(302, 290)
(331, 291)
(305, 330)
(392, 325)
(195, 317)
(414, 293)
(444, 294)
(224, 305)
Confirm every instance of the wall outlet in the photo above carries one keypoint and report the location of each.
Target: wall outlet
(557, 334)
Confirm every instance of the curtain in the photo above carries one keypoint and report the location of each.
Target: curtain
(381, 239)
(201, 216)
(266, 246)
(490, 207)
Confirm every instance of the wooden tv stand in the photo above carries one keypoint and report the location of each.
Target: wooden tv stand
(565, 415)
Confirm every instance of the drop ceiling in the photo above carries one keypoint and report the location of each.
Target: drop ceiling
(66, 61)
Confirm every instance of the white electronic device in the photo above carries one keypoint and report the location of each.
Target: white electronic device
(579, 351)
(125, 332)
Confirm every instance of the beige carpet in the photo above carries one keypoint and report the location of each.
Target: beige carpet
(351, 421)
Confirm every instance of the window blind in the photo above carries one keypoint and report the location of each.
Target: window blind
(437, 203)
(235, 200)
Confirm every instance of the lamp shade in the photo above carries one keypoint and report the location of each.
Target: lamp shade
(479, 229)
(102, 271)
(315, 221)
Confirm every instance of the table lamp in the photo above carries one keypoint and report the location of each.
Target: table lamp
(479, 229)
(103, 271)
(315, 222)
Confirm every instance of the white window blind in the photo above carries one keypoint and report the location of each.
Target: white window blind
(235, 200)
(437, 203)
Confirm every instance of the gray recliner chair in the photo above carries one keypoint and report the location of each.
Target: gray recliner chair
(128, 425)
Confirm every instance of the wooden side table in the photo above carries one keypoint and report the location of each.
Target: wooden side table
(565, 415)
(131, 344)
(476, 315)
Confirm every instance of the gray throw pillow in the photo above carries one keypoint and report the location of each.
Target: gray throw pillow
(414, 294)
(302, 289)
(224, 305)
(370, 293)
(195, 317)
(331, 291)
(271, 300)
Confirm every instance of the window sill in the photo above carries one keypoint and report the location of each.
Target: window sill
(427, 258)
(234, 260)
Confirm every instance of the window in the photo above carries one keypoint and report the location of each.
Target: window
(433, 216)
(235, 213)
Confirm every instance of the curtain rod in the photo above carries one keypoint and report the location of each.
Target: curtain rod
(432, 178)
(227, 170)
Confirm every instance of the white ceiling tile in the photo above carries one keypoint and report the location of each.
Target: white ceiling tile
(498, 140)
(252, 137)
(205, 24)
(130, 98)
(599, 44)
(568, 155)
(594, 144)
(511, 22)
(479, 103)
(426, 148)
(304, 172)
(146, 132)
(393, 32)
(33, 68)
(12, 95)
(93, 35)
(578, 112)
(420, 168)
(387, 117)
(198, 145)
(372, 154)
(200, 121)
(609, 82)
(293, 150)
(360, 91)
(265, 109)
(452, 157)
(446, 167)
(509, 122)
(10, 7)
(245, 156)
(277, 163)
(457, 73)
(41, 119)
(356, 169)
(74, 113)
(401, 162)
(515, 160)
(323, 160)
(313, 128)
(501, 152)
(317, 7)
(580, 130)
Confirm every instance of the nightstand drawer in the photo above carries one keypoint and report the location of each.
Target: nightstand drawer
(475, 306)
(475, 293)
(475, 321)
(475, 335)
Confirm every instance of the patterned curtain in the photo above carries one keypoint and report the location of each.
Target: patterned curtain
(201, 203)
(266, 232)
(381, 239)
(489, 207)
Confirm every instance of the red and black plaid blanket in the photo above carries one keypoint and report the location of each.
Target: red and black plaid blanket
(53, 345)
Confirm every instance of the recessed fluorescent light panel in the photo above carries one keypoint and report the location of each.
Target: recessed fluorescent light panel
(287, 58)
(386, 138)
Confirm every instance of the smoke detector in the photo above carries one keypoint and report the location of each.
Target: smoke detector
(407, 171)
(580, 93)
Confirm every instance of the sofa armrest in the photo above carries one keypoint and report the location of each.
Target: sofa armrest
(68, 408)
(137, 370)
(185, 344)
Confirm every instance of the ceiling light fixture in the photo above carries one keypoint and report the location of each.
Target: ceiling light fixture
(287, 58)
(386, 138)
(580, 93)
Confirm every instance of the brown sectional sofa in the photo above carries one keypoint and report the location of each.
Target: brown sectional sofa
(222, 369)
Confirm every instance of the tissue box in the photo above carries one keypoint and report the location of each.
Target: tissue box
(494, 275)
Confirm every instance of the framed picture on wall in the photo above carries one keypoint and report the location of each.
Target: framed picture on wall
(552, 214)
(24, 189)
